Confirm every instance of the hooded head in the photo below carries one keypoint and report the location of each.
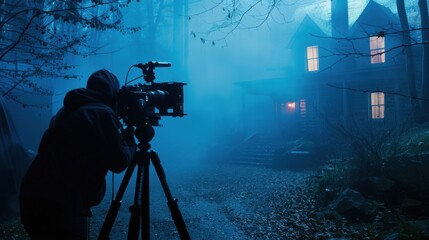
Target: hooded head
(104, 82)
(102, 87)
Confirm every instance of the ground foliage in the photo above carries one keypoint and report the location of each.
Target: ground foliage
(415, 140)
(241, 202)
(11, 230)
(280, 205)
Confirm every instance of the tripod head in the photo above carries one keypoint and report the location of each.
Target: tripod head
(144, 134)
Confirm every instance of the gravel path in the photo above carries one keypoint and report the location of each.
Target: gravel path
(224, 202)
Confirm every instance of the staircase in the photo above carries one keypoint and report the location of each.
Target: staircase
(257, 150)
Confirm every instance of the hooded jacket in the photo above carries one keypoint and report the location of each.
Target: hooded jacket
(83, 142)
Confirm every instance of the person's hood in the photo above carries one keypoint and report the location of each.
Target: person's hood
(102, 87)
(104, 82)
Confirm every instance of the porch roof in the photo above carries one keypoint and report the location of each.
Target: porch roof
(275, 87)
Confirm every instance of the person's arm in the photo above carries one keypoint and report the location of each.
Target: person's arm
(120, 145)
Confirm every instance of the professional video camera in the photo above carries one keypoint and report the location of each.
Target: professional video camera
(141, 106)
(146, 103)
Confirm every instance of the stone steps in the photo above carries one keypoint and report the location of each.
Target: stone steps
(257, 150)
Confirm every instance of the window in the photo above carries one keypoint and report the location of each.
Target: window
(377, 105)
(313, 58)
(376, 45)
(290, 106)
(303, 108)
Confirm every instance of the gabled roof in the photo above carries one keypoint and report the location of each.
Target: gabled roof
(376, 16)
(307, 29)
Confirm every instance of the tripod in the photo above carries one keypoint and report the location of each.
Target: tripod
(140, 214)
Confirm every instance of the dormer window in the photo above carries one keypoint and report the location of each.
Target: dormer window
(312, 58)
(376, 45)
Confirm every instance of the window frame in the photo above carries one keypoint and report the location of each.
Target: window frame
(377, 49)
(377, 105)
(312, 61)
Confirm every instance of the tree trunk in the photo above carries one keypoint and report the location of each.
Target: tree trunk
(180, 36)
(406, 41)
(425, 39)
(150, 43)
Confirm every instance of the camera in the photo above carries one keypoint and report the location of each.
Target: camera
(146, 103)
(142, 106)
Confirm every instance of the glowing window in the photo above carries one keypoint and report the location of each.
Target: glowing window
(377, 105)
(290, 106)
(313, 58)
(376, 45)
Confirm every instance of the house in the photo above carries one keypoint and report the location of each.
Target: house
(350, 76)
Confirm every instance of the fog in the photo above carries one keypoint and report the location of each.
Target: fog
(249, 80)
(213, 102)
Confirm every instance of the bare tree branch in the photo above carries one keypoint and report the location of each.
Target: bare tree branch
(20, 36)
(371, 90)
(36, 39)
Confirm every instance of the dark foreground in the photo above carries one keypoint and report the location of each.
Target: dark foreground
(227, 202)
(243, 202)
(238, 202)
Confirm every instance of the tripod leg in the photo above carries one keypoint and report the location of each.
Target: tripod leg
(116, 203)
(172, 203)
(134, 224)
(145, 197)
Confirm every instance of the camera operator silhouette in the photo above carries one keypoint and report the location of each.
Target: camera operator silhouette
(83, 142)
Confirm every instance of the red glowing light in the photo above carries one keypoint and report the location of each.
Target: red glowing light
(291, 106)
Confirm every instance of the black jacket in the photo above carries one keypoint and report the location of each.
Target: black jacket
(82, 143)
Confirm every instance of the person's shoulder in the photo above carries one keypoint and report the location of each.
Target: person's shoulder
(97, 106)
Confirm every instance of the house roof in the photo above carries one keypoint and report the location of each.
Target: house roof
(376, 16)
(370, 14)
(307, 28)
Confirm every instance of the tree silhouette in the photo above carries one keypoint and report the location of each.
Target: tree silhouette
(424, 18)
(36, 36)
(237, 15)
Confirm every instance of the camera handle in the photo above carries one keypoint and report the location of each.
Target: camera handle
(140, 214)
(148, 69)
